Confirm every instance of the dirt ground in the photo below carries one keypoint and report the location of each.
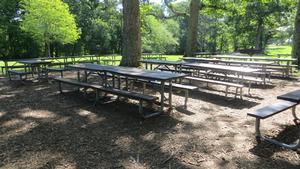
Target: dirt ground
(41, 128)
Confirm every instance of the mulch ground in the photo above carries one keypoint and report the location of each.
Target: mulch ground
(40, 128)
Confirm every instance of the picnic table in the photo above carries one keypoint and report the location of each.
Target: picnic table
(36, 65)
(275, 60)
(153, 56)
(135, 73)
(239, 71)
(200, 60)
(162, 63)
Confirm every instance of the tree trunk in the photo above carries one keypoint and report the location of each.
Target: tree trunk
(192, 32)
(296, 40)
(131, 53)
(47, 49)
(259, 35)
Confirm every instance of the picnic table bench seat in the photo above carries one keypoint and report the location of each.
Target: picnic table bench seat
(18, 73)
(239, 87)
(269, 111)
(123, 93)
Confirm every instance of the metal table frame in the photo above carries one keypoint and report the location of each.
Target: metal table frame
(104, 70)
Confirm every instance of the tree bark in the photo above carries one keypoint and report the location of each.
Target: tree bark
(259, 35)
(192, 32)
(47, 49)
(296, 40)
(131, 34)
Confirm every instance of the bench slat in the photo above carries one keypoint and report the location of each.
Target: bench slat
(271, 110)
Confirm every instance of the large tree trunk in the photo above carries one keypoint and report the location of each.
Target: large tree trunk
(296, 40)
(259, 35)
(131, 34)
(192, 32)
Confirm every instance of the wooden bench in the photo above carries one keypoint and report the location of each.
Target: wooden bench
(239, 87)
(177, 86)
(123, 93)
(268, 111)
(18, 73)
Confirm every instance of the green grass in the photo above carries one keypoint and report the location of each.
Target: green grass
(274, 50)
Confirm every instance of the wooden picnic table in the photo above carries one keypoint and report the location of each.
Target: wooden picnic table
(38, 65)
(135, 73)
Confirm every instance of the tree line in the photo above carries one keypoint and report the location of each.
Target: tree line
(102, 26)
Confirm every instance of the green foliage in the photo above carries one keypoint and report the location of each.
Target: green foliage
(49, 21)
(157, 35)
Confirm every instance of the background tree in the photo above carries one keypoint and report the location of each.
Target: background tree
(49, 22)
(131, 53)
(296, 42)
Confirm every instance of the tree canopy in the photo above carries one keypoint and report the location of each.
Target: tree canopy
(223, 26)
(49, 22)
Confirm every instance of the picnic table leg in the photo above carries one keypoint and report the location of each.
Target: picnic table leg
(170, 94)
(294, 113)
(162, 91)
(260, 138)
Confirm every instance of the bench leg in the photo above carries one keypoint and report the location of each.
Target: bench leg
(141, 107)
(61, 74)
(241, 93)
(257, 130)
(226, 91)
(59, 87)
(294, 113)
(144, 88)
(249, 88)
(9, 76)
(186, 98)
(260, 138)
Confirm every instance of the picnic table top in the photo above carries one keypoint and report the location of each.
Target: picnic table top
(246, 62)
(200, 59)
(293, 96)
(254, 58)
(222, 67)
(228, 61)
(34, 61)
(162, 62)
(129, 71)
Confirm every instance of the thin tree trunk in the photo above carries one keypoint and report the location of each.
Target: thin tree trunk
(296, 40)
(131, 53)
(47, 49)
(259, 35)
(192, 32)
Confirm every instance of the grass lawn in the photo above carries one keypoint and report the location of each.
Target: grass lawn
(273, 50)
